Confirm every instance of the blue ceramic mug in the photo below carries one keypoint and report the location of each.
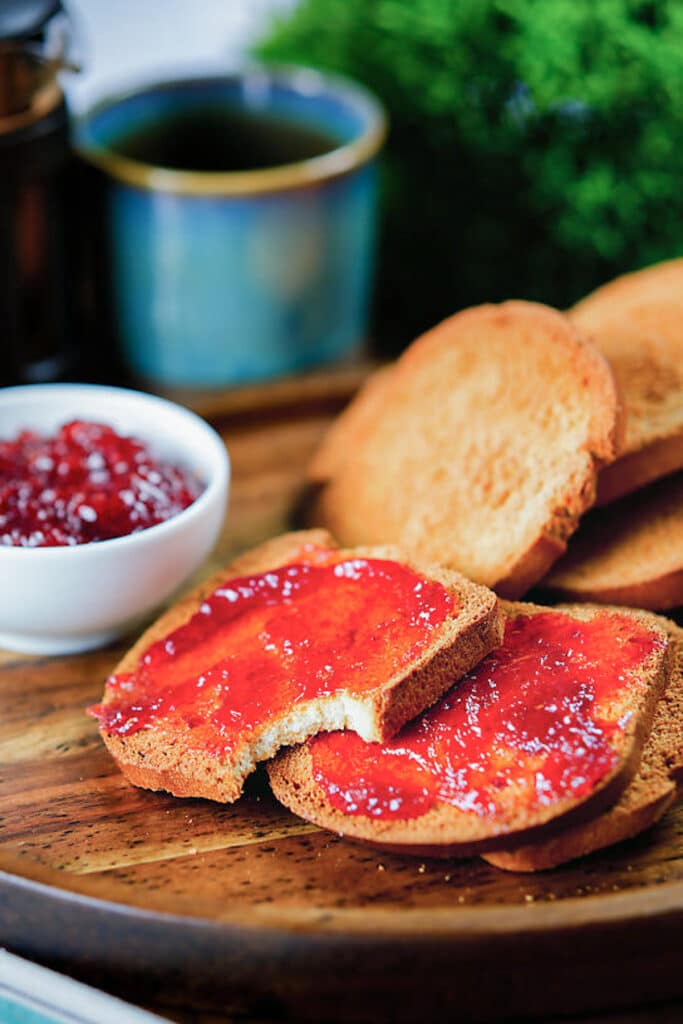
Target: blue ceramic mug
(226, 276)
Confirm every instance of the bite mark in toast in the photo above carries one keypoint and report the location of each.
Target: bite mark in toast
(295, 637)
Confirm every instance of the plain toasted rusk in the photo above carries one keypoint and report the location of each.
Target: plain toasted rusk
(483, 447)
(448, 830)
(650, 284)
(349, 428)
(630, 552)
(637, 323)
(162, 755)
(647, 797)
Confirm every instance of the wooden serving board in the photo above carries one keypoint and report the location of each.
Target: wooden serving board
(248, 910)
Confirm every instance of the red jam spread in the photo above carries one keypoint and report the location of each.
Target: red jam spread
(262, 644)
(86, 483)
(529, 726)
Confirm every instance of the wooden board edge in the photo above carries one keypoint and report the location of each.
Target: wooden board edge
(542, 916)
(629, 955)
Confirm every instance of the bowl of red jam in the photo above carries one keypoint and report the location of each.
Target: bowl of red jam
(109, 500)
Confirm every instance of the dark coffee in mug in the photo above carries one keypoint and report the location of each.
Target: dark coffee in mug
(221, 139)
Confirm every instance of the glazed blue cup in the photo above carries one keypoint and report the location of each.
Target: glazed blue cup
(220, 277)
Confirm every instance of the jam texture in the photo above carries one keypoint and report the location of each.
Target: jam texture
(533, 723)
(260, 645)
(86, 483)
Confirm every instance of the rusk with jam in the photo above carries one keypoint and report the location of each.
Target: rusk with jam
(654, 788)
(547, 731)
(241, 667)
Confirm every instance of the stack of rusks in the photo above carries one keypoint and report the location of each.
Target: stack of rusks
(382, 662)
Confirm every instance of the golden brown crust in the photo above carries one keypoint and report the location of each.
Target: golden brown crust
(629, 553)
(534, 563)
(639, 468)
(658, 594)
(637, 323)
(650, 793)
(157, 758)
(469, 458)
(177, 777)
(658, 281)
(587, 837)
(443, 831)
(409, 698)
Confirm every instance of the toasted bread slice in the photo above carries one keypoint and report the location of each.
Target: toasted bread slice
(651, 284)
(628, 553)
(192, 712)
(484, 447)
(546, 731)
(637, 323)
(348, 430)
(648, 796)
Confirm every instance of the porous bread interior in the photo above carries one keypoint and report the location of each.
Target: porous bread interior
(184, 773)
(647, 797)
(473, 457)
(443, 830)
(157, 757)
(634, 542)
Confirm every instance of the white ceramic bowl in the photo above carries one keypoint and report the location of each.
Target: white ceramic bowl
(66, 599)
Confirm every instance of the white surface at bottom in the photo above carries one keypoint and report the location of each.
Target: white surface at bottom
(30, 994)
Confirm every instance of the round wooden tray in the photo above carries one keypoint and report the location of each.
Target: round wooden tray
(252, 911)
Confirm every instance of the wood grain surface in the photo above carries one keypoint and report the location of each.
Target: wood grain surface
(247, 910)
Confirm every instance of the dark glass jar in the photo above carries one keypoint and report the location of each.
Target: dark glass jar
(37, 258)
(39, 208)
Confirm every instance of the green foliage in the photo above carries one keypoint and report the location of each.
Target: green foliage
(536, 145)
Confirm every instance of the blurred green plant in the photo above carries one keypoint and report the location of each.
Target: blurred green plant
(536, 146)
